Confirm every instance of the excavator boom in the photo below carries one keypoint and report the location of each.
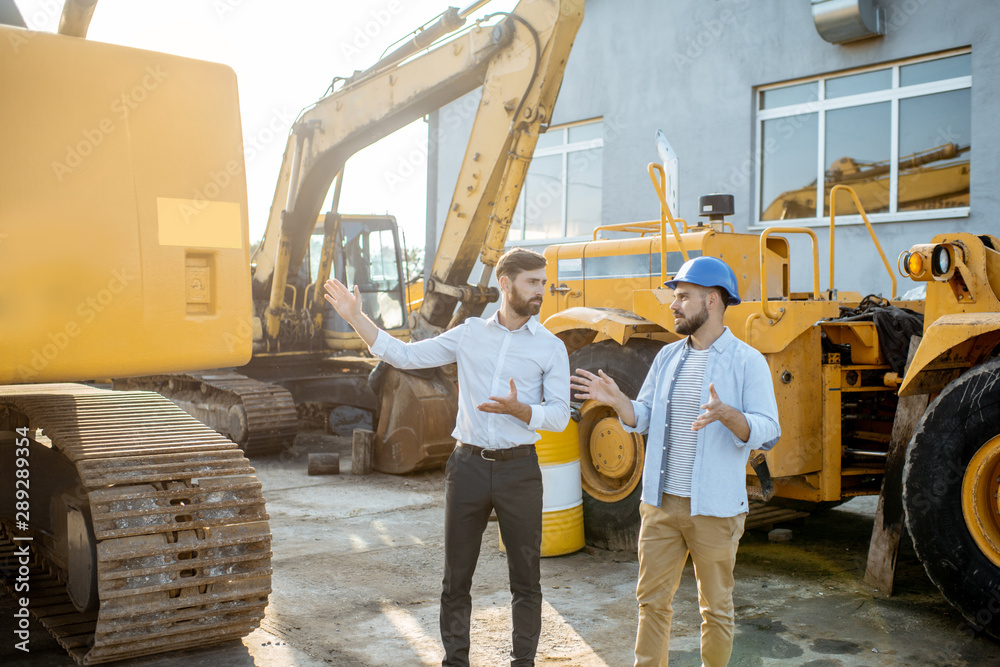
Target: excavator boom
(341, 124)
(518, 59)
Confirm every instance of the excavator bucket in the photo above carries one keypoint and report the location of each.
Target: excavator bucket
(415, 419)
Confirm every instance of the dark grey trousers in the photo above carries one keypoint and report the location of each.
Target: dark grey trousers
(473, 488)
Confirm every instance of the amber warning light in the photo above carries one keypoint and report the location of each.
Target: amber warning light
(927, 261)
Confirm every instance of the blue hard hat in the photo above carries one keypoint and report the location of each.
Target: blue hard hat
(708, 272)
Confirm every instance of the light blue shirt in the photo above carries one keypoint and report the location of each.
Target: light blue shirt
(743, 380)
(488, 356)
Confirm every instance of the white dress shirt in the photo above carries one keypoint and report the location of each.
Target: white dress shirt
(488, 356)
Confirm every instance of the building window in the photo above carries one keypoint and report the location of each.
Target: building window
(900, 135)
(562, 191)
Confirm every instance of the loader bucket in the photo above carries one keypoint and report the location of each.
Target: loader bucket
(415, 419)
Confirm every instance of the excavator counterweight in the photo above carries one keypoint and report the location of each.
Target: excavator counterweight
(139, 529)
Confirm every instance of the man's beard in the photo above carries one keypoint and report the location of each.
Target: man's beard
(689, 325)
(523, 307)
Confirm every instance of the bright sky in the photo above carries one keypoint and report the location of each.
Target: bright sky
(285, 55)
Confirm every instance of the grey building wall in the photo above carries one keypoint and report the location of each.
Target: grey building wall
(690, 68)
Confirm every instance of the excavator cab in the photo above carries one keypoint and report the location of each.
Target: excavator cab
(367, 253)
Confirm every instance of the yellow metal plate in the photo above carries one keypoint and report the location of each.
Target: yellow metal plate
(199, 223)
(939, 338)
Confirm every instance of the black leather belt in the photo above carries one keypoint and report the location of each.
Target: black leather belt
(499, 454)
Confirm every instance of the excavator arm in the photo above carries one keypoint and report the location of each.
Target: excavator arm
(518, 97)
(518, 62)
(341, 124)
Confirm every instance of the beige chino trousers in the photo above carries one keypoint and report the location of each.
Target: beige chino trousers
(668, 534)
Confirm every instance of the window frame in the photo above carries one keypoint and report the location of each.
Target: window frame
(564, 149)
(820, 106)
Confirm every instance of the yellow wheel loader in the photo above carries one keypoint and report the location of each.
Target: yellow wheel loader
(838, 364)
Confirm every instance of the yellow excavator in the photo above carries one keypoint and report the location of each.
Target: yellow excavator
(126, 527)
(303, 353)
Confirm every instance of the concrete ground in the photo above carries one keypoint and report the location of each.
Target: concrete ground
(357, 570)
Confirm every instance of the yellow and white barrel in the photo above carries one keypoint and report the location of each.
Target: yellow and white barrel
(562, 494)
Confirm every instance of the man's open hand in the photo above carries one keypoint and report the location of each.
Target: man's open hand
(508, 405)
(603, 389)
(600, 387)
(716, 410)
(346, 304)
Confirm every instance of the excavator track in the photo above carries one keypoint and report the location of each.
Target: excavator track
(182, 545)
(258, 416)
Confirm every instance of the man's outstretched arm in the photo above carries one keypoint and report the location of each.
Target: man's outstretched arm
(429, 353)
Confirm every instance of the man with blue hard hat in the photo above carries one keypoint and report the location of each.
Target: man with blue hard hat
(707, 401)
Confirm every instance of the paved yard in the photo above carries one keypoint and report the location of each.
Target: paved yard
(357, 569)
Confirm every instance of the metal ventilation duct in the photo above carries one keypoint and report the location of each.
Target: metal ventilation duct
(840, 21)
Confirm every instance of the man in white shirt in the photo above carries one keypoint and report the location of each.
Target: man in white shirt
(707, 401)
(513, 378)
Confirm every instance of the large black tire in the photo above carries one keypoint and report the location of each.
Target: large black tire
(964, 417)
(615, 525)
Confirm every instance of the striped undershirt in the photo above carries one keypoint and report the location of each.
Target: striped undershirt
(685, 406)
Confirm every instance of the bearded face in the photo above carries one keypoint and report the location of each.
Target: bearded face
(689, 308)
(524, 292)
(687, 325)
(524, 304)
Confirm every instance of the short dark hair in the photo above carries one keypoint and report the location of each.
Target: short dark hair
(723, 295)
(704, 291)
(516, 260)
